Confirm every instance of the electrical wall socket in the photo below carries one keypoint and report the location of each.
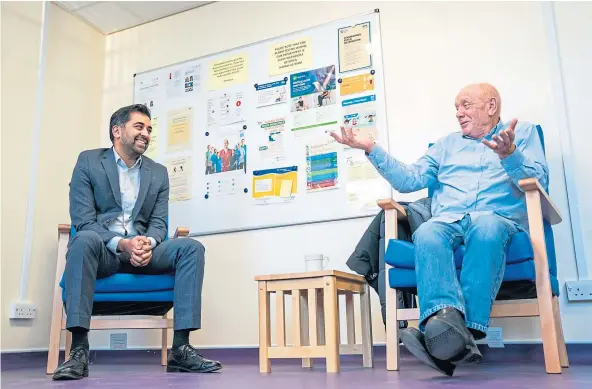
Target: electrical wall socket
(579, 290)
(22, 310)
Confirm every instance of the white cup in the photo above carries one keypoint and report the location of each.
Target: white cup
(315, 262)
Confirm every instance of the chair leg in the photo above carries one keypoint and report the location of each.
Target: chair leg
(392, 330)
(549, 335)
(549, 329)
(55, 333)
(561, 339)
(165, 344)
(68, 347)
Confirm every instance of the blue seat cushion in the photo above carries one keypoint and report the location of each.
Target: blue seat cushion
(401, 254)
(522, 271)
(131, 297)
(135, 287)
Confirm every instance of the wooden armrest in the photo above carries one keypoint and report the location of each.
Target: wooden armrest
(181, 232)
(63, 229)
(387, 204)
(550, 211)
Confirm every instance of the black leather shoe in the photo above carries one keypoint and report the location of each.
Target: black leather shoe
(74, 368)
(447, 338)
(413, 340)
(186, 359)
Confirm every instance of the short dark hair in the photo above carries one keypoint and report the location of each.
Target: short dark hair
(122, 116)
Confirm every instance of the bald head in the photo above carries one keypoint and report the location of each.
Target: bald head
(478, 109)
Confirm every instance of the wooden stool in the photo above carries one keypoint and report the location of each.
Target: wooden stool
(315, 317)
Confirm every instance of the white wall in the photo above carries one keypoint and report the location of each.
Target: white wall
(574, 36)
(430, 51)
(70, 123)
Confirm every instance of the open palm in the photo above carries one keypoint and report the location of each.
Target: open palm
(348, 138)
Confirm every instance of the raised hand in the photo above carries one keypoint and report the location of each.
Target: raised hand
(348, 138)
(503, 144)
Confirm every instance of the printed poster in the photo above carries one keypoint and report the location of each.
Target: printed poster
(313, 95)
(271, 93)
(359, 114)
(290, 56)
(192, 78)
(356, 84)
(321, 165)
(179, 170)
(228, 72)
(152, 150)
(179, 129)
(174, 83)
(225, 108)
(363, 182)
(147, 92)
(354, 47)
(276, 185)
(273, 150)
(226, 153)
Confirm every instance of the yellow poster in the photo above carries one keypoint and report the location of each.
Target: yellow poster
(230, 71)
(357, 84)
(179, 170)
(152, 149)
(179, 129)
(354, 47)
(278, 183)
(286, 57)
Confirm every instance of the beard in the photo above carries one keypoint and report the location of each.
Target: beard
(135, 146)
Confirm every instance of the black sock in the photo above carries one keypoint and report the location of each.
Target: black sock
(180, 338)
(79, 337)
(478, 335)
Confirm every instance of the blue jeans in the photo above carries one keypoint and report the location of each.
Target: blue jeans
(486, 239)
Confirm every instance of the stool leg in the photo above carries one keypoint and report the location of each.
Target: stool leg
(350, 317)
(321, 317)
(331, 325)
(367, 345)
(305, 331)
(264, 329)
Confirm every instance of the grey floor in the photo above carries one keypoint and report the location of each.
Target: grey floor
(513, 367)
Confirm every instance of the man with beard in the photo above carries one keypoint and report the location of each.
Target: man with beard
(119, 208)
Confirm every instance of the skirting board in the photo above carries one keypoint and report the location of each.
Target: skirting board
(578, 354)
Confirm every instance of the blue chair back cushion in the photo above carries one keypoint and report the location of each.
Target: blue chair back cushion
(519, 255)
(124, 287)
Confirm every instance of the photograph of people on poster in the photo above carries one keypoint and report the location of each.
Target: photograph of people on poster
(226, 154)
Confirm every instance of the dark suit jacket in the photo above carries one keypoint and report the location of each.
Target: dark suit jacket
(95, 197)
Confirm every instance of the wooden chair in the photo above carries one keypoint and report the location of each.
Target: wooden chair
(148, 295)
(530, 257)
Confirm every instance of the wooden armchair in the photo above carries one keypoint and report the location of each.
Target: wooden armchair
(119, 294)
(530, 258)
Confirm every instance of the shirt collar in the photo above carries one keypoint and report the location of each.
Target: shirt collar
(120, 161)
(493, 131)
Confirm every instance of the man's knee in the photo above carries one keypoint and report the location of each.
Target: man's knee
(428, 234)
(84, 239)
(192, 249)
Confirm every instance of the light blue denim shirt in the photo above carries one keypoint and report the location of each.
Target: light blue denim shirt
(468, 177)
(129, 186)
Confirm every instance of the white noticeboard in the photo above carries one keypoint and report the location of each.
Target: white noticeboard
(244, 133)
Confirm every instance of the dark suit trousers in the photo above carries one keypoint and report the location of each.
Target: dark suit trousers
(88, 259)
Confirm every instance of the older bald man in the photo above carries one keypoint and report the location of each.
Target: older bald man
(477, 202)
